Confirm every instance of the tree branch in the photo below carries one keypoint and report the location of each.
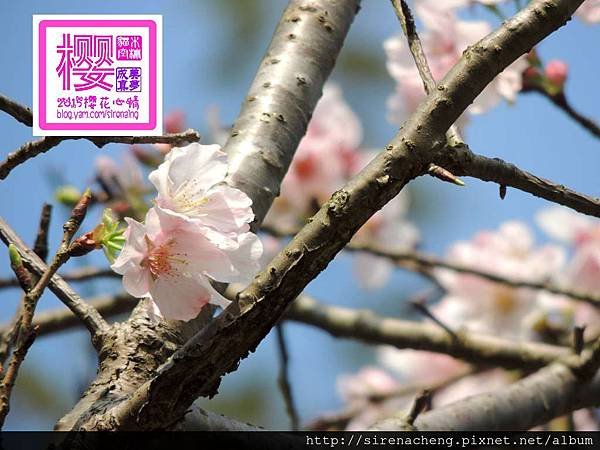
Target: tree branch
(423, 264)
(87, 314)
(368, 327)
(462, 161)
(551, 392)
(19, 112)
(560, 100)
(32, 149)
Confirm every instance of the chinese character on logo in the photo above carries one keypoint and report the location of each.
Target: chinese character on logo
(129, 48)
(88, 57)
(129, 79)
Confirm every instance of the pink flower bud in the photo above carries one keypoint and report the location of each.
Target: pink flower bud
(556, 71)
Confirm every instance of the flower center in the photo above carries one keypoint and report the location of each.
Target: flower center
(161, 260)
(187, 198)
(505, 300)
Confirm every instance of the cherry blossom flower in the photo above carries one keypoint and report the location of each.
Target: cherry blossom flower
(326, 156)
(495, 308)
(589, 11)
(172, 260)
(190, 184)
(444, 38)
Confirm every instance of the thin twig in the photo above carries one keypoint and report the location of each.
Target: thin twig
(40, 247)
(87, 314)
(460, 160)
(561, 101)
(27, 331)
(420, 306)
(420, 404)
(19, 112)
(284, 379)
(407, 22)
(34, 148)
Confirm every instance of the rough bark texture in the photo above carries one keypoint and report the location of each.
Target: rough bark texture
(197, 367)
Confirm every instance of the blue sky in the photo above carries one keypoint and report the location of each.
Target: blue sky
(207, 62)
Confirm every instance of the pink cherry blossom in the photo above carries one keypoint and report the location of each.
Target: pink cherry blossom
(325, 158)
(418, 367)
(172, 260)
(190, 184)
(589, 11)
(475, 384)
(490, 307)
(556, 71)
(367, 382)
(583, 268)
(444, 38)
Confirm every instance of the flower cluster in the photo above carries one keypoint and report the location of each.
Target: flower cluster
(478, 304)
(197, 232)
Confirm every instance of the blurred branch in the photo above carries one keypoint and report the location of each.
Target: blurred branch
(284, 379)
(368, 327)
(339, 420)
(80, 274)
(560, 100)
(423, 264)
(19, 112)
(272, 121)
(31, 149)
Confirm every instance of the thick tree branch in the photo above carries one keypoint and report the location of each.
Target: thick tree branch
(460, 160)
(32, 149)
(284, 93)
(87, 314)
(534, 400)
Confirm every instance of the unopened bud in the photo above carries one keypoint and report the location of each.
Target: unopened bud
(556, 72)
(78, 213)
(67, 195)
(16, 264)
